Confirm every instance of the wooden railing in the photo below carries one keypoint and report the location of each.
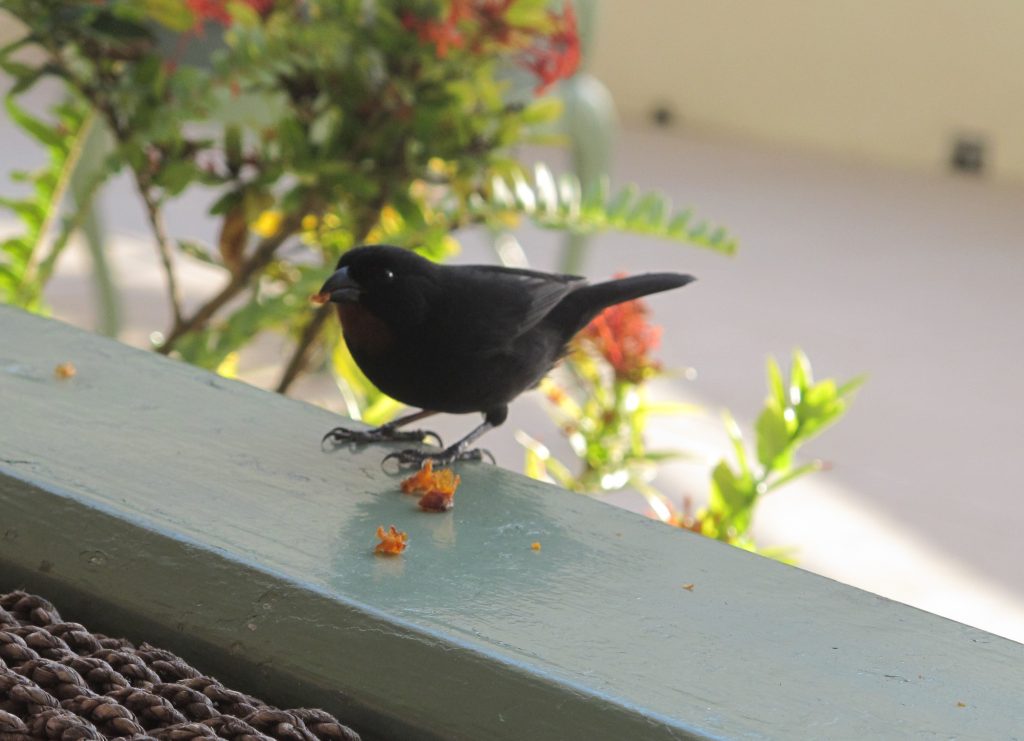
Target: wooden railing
(157, 501)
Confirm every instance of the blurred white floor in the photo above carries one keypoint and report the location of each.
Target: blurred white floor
(912, 279)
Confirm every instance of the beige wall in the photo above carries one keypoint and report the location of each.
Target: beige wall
(888, 80)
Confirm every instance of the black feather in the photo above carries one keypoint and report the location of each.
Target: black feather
(467, 338)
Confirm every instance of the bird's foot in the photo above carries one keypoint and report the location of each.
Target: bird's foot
(340, 436)
(412, 458)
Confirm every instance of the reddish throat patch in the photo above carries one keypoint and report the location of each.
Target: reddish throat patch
(363, 329)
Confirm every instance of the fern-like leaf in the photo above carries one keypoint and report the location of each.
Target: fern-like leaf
(559, 202)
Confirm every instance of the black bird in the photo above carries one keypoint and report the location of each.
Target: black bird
(460, 338)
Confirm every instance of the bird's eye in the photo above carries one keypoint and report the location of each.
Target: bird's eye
(388, 276)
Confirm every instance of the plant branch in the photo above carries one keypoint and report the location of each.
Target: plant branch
(297, 361)
(260, 258)
(154, 213)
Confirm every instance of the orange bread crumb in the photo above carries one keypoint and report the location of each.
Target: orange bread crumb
(392, 541)
(438, 488)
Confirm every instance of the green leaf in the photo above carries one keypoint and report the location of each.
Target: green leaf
(819, 407)
(292, 137)
(800, 376)
(547, 190)
(233, 147)
(8, 280)
(242, 13)
(411, 213)
(774, 449)
(678, 226)
(501, 194)
(776, 385)
(174, 14)
(848, 388)
(529, 13)
(595, 195)
(177, 175)
(662, 456)
(559, 203)
(13, 46)
(794, 473)
(732, 429)
(542, 110)
(730, 501)
(18, 70)
(120, 30)
(619, 206)
(30, 212)
(227, 202)
(526, 199)
(649, 213)
(198, 251)
(570, 194)
(39, 130)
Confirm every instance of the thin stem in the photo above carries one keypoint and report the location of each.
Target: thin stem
(261, 257)
(297, 362)
(154, 212)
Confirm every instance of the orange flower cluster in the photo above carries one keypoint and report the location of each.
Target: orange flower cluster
(557, 56)
(685, 518)
(623, 337)
(392, 541)
(473, 24)
(438, 488)
(217, 10)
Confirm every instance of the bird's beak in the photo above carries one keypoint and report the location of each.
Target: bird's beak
(339, 287)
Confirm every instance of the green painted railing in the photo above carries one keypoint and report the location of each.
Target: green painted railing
(155, 500)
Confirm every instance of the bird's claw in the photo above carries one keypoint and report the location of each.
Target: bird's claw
(411, 458)
(340, 436)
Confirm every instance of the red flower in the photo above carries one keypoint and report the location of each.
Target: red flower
(623, 337)
(479, 25)
(217, 10)
(558, 55)
(443, 34)
(210, 10)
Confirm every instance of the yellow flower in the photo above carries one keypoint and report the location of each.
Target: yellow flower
(450, 245)
(268, 223)
(309, 222)
(441, 168)
(418, 189)
(228, 367)
(390, 220)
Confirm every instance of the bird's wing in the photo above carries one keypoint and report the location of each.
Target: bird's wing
(497, 304)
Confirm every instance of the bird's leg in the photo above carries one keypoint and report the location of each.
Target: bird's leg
(385, 433)
(459, 451)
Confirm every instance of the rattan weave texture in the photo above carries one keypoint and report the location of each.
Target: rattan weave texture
(59, 681)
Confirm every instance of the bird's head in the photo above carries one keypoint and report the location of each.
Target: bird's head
(390, 282)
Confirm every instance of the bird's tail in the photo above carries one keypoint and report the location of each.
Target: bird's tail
(583, 304)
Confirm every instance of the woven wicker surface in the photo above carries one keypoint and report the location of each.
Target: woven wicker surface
(59, 681)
